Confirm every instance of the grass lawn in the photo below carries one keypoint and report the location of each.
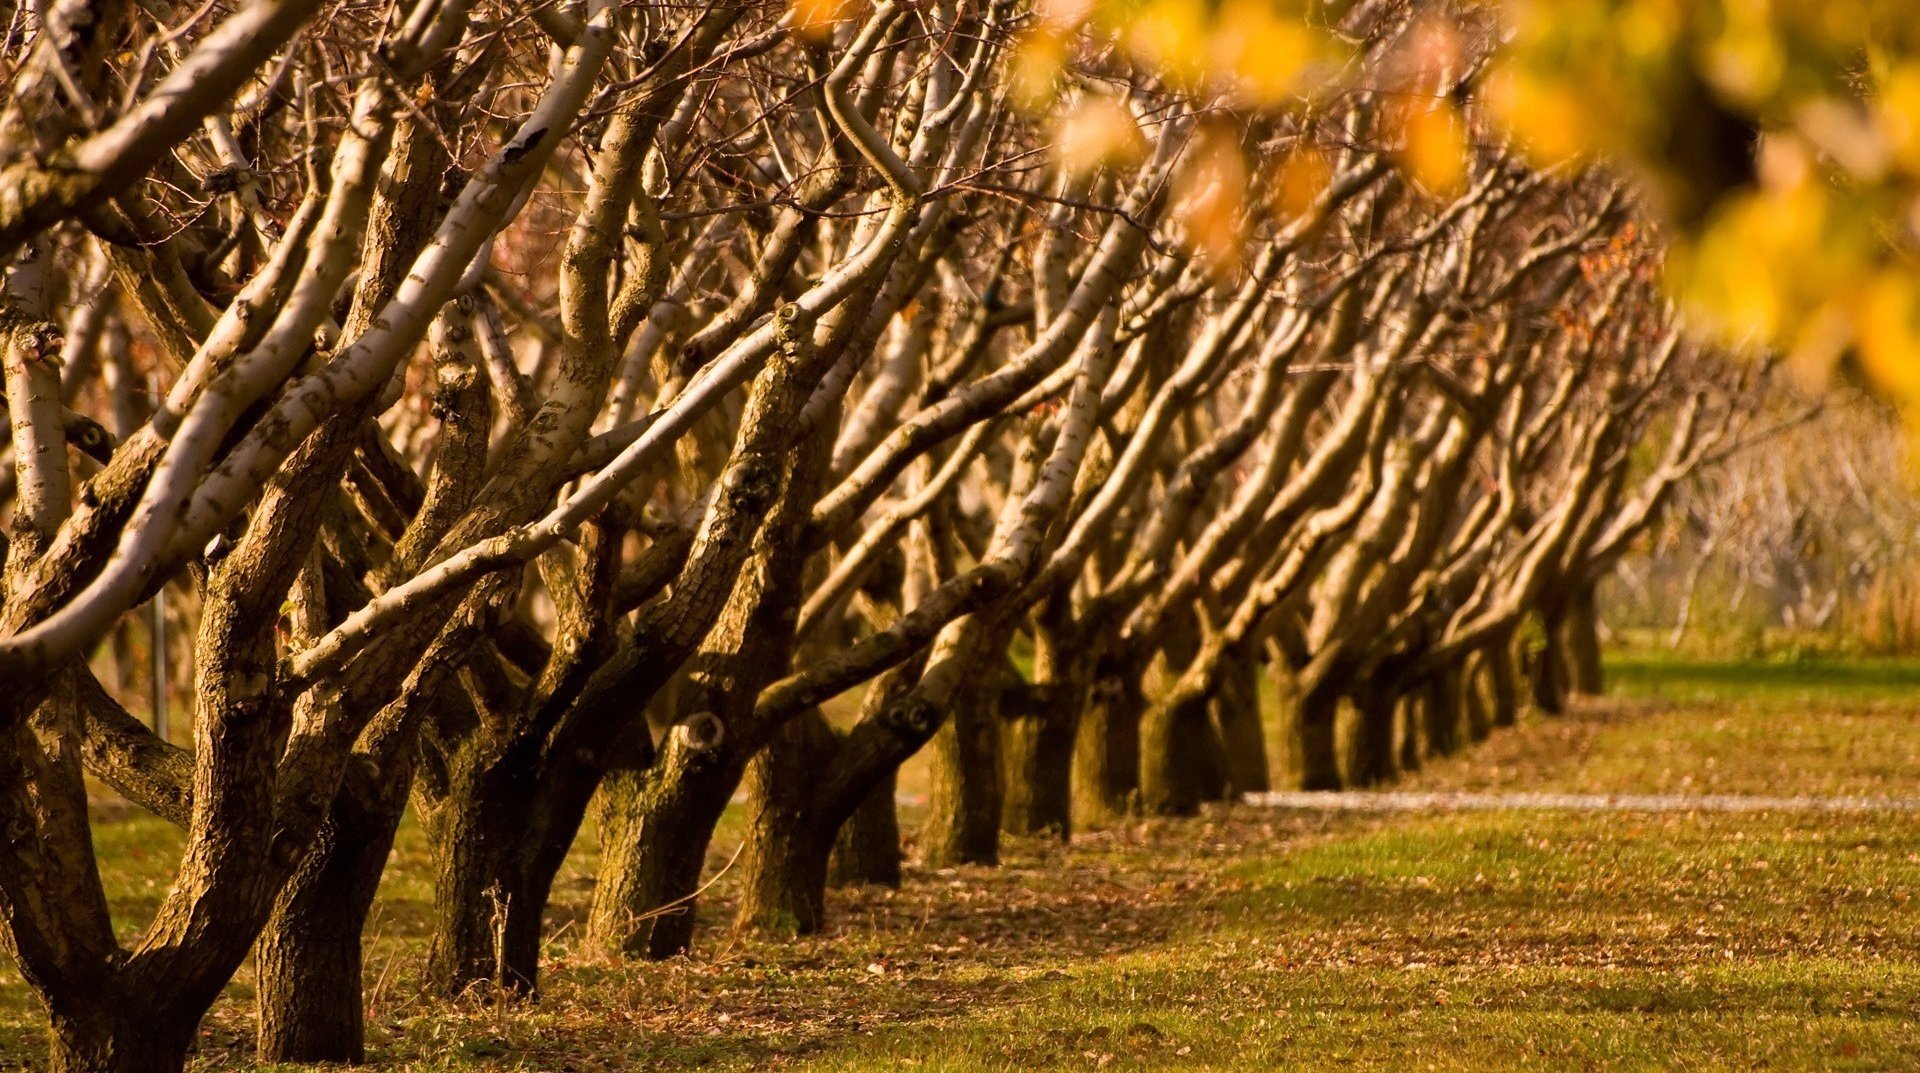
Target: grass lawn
(1262, 940)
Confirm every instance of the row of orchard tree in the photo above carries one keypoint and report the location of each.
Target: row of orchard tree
(529, 411)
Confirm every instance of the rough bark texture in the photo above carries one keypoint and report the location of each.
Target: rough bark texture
(1039, 778)
(784, 862)
(963, 816)
(1106, 752)
(309, 956)
(868, 847)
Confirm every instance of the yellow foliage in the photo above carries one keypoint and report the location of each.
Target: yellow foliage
(1299, 180)
(1171, 35)
(1096, 132)
(1434, 150)
(1888, 325)
(1209, 197)
(1035, 69)
(815, 19)
(1261, 53)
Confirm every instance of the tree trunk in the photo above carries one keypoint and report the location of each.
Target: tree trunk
(655, 827)
(311, 1005)
(1476, 701)
(1319, 748)
(785, 857)
(1236, 717)
(122, 1037)
(1176, 758)
(485, 932)
(1416, 731)
(868, 847)
(1378, 760)
(963, 823)
(1106, 752)
(1440, 697)
(1503, 687)
(1039, 793)
(1582, 638)
(1550, 669)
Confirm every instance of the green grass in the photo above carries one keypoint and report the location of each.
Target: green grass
(1260, 940)
(1793, 682)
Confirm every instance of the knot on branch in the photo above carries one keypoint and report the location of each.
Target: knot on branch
(912, 718)
(700, 734)
(31, 340)
(90, 436)
(793, 330)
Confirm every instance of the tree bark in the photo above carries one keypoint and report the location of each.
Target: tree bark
(655, 827)
(1550, 668)
(1039, 787)
(868, 847)
(1415, 716)
(1444, 715)
(122, 1037)
(1237, 721)
(1378, 759)
(484, 929)
(786, 853)
(1503, 686)
(1319, 748)
(963, 821)
(1106, 753)
(1175, 757)
(1476, 701)
(1586, 674)
(311, 1005)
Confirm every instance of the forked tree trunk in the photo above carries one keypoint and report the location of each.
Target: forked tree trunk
(311, 1004)
(868, 847)
(116, 1036)
(963, 820)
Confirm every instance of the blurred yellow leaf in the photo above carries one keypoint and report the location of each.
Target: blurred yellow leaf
(1888, 327)
(1299, 180)
(1171, 35)
(1096, 132)
(1547, 116)
(1261, 52)
(1434, 148)
(815, 19)
(1209, 197)
(1035, 69)
(1899, 109)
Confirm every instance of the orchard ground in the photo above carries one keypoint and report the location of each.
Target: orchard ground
(1259, 939)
